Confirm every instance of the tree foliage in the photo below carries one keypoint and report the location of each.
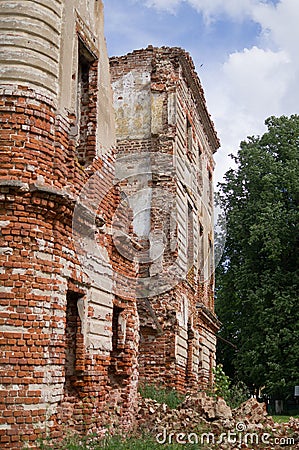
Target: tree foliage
(257, 280)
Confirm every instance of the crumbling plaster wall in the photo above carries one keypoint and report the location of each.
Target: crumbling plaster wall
(156, 98)
(39, 49)
(86, 19)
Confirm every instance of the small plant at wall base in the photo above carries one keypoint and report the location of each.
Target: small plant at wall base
(238, 394)
(171, 397)
(234, 394)
(221, 383)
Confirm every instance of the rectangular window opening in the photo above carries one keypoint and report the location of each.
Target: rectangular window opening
(190, 233)
(201, 253)
(211, 366)
(115, 328)
(211, 258)
(199, 173)
(72, 340)
(189, 363)
(210, 188)
(86, 103)
(189, 138)
(211, 275)
(116, 368)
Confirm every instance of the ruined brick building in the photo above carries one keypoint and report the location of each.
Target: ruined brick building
(106, 240)
(163, 129)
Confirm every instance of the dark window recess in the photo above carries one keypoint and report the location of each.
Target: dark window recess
(117, 364)
(190, 234)
(211, 275)
(73, 340)
(86, 104)
(115, 328)
(211, 259)
(200, 229)
(210, 188)
(211, 368)
(199, 173)
(201, 252)
(189, 363)
(200, 359)
(189, 138)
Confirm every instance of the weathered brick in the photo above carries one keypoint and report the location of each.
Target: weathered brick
(71, 344)
(171, 119)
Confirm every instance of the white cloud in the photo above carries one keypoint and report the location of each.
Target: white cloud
(208, 8)
(214, 8)
(280, 23)
(167, 5)
(253, 83)
(257, 82)
(252, 86)
(281, 32)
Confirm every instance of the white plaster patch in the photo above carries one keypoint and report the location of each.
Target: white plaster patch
(4, 223)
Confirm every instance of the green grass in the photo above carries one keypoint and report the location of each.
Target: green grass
(146, 443)
(283, 419)
(162, 395)
(112, 443)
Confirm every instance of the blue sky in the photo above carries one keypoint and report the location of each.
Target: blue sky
(245, 52)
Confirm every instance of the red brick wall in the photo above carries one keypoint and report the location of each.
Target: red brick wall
(40, 182)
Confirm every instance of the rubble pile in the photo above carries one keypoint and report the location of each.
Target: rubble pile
(247, 426)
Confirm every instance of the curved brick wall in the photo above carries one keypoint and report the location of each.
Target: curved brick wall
(30, 40)
(39, 267)
(60, 366)
(28, 150)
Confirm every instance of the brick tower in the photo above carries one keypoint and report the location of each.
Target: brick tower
(164, 131)
(66, 340)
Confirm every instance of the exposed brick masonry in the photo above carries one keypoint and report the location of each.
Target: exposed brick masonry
(50, 379)
(160, 110)
(87, 235)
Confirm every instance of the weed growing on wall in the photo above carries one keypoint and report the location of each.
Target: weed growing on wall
(171, 397)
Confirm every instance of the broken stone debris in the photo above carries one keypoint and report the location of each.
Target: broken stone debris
(200, 413)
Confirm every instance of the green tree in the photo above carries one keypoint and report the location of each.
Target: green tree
(257, 280)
